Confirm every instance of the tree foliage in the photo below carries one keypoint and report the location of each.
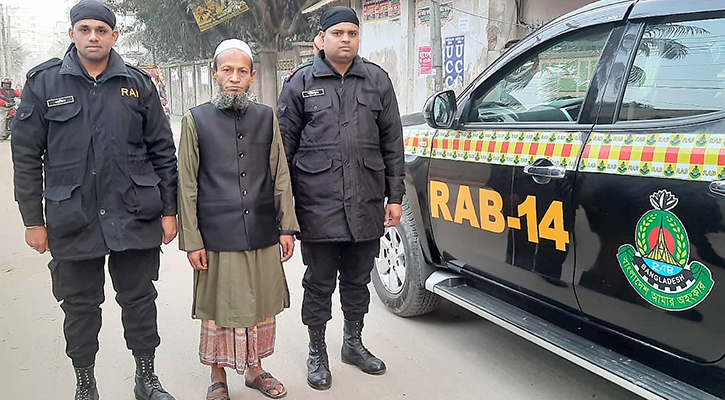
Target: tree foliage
(169, 31)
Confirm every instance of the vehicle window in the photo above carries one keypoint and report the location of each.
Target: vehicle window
(546, 87)
(679, 71)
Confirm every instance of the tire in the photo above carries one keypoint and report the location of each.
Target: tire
(399, 247)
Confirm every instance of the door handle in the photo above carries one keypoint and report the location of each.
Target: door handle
(718, 187)
(552, 171)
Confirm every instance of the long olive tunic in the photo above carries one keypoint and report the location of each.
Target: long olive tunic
(239, 289)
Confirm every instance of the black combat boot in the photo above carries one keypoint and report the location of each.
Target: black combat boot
(318, 365)
(86, 384)
(353, 351)
(148, 386)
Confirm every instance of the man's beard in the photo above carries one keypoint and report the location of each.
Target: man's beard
(224, 101)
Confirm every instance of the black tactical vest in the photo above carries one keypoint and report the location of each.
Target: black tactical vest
(235, 209)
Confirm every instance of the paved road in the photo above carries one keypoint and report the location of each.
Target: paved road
(449, 354)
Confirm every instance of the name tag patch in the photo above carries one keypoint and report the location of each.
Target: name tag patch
(313, 93)
(60, 101)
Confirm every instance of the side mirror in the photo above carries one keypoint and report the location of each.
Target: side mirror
(440, 110)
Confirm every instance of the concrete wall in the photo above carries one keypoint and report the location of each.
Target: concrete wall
(394, 45)
(538, 12)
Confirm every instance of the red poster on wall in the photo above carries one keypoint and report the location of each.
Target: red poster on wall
(425, 61)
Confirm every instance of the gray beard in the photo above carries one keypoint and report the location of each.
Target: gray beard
(224, 101)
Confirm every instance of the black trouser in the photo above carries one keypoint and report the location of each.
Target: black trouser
(354, 261)
(79, 284)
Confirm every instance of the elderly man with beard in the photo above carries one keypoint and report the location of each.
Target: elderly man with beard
(235, 210)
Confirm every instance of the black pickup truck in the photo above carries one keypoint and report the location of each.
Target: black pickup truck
(574, 194)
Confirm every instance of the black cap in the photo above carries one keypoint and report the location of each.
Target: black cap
(335, 15)
(92, 9)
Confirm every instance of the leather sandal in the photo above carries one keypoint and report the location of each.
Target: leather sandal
(210, 395)
(266, 383)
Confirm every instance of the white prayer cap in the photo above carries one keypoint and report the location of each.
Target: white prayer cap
(233, 44)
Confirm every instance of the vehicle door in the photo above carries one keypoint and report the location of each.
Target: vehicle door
(650, 216)
(487, 216)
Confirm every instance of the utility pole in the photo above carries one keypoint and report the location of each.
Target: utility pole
(4, 64)
(436, 49)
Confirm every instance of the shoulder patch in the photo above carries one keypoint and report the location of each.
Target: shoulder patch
(297, 68)
(48, 64)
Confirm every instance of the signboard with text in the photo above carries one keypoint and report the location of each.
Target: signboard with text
(453, 60)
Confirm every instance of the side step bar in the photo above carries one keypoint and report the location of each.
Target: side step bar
(625, 372)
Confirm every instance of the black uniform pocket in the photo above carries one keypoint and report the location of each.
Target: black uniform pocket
(63, 113)
(371, 103)
(373, 179)
(56, 283)
(25, 110)
(315, 178)
(148, 203)
(319, 113)
(64, 132)
(64, 210)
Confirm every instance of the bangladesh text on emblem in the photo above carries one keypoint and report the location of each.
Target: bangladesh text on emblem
(659, 269)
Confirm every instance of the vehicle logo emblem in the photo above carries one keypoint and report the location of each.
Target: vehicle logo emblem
(602, 166)
(651, 140)
(644, 170)
(721, 175)
(622, 168)
(669, 172)
(537, 137)
(660, 270)
(702, 141)
(675, 141)
(629, 140)
(552, 138)
(608, 139)
(695, 173)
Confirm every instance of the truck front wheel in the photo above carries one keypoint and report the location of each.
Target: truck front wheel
(397, 272)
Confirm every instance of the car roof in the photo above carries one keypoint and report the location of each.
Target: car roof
(658, 8)
(590, 7)
(647, 8)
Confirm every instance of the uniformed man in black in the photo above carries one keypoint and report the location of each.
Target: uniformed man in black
(92, 143)
(343, 138)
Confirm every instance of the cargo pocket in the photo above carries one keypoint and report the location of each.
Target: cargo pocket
(25, 110)
(374, 180)
(55, 282)
(372, 103)
(63, 113)
(64, 210)
(319, 113)
(148, 203)
(315, 179)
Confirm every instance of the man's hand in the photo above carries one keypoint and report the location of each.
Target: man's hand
(37, 238)
(393, 212)
(288, 246)
(168, 224)
(197, 259)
